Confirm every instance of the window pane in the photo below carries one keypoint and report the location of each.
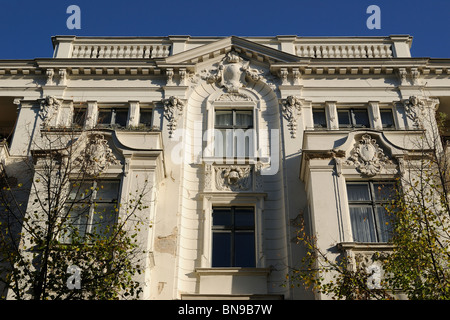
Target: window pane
(104, 117)
(387, 119)
(361, 118)
(107, 190)
(221, 249)
(103, 219)
(358, 192)
(320, 120)
(244, 217)
(344, 118)
(121, 117)
(384, 191)
(224, 118)
(145, 117)
(222, 217)
(243, 142)
(244, 249)
(363, 228)
(78, 117)
(384, 224)
(80, 190)
(244, 118)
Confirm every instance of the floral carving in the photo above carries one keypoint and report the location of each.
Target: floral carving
(368, 158)
(233, 178)
(49, 109)
(291, 111)
(96, 157)
(173, 108)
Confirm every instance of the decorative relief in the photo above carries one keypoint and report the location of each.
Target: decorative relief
(49, 109)
(173, 109)
(291, 111)
(234, 96)
(413, 108)
(233, 178)
(232, 73)
(368, 158)
(96, 157)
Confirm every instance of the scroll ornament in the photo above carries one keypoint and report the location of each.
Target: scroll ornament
(368, 158)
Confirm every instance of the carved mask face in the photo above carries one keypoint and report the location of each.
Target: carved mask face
(233, 177)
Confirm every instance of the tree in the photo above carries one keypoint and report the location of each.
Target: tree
(62, 221)
(418, 264)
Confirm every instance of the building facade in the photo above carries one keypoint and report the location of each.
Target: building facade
(237, 138)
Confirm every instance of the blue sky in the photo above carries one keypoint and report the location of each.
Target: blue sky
(26, 27)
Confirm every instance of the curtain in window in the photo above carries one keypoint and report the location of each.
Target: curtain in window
(363, 227)
(244, 118)
(358, 192)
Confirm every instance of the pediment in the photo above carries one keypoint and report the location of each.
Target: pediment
(246, 48)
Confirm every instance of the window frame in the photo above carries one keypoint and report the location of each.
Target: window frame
(113, 121)
(91, 200)
(352, 118)
(394, 126)
(233, 127)
(232, 229)
(373, 203)
(322, 110)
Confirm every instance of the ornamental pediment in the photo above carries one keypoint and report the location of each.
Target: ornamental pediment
(246, 48)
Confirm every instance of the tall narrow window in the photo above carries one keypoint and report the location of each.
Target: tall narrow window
(233, 133)
(233, 237)
(79, 115)
(369, 218)
(387, 119)
(353, 118)
(92, 208)
(145, 117)
(320, 120)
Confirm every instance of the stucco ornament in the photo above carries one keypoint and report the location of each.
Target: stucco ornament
(49, 109)
(173, 109)
(368, 158)
(233, 178)
(413, 107)
(232, 73)
(291, 111)
(96, 157)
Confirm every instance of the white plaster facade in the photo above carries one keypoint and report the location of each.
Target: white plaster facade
(289, 166)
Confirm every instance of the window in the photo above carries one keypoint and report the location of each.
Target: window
(233, 134)
(233, 237)
(112, 117)
(387, 119)
(93, 208)
(320, 120)
(145, 117)
(79, 115)
(353, 118)
(369, 218)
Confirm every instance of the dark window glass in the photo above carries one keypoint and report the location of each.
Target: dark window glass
(233, 237)
(319, 117)
(387, 119)
(145, 117)
(79, 114)
(353, 118)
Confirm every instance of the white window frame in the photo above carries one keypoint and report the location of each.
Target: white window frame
(227, 200)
